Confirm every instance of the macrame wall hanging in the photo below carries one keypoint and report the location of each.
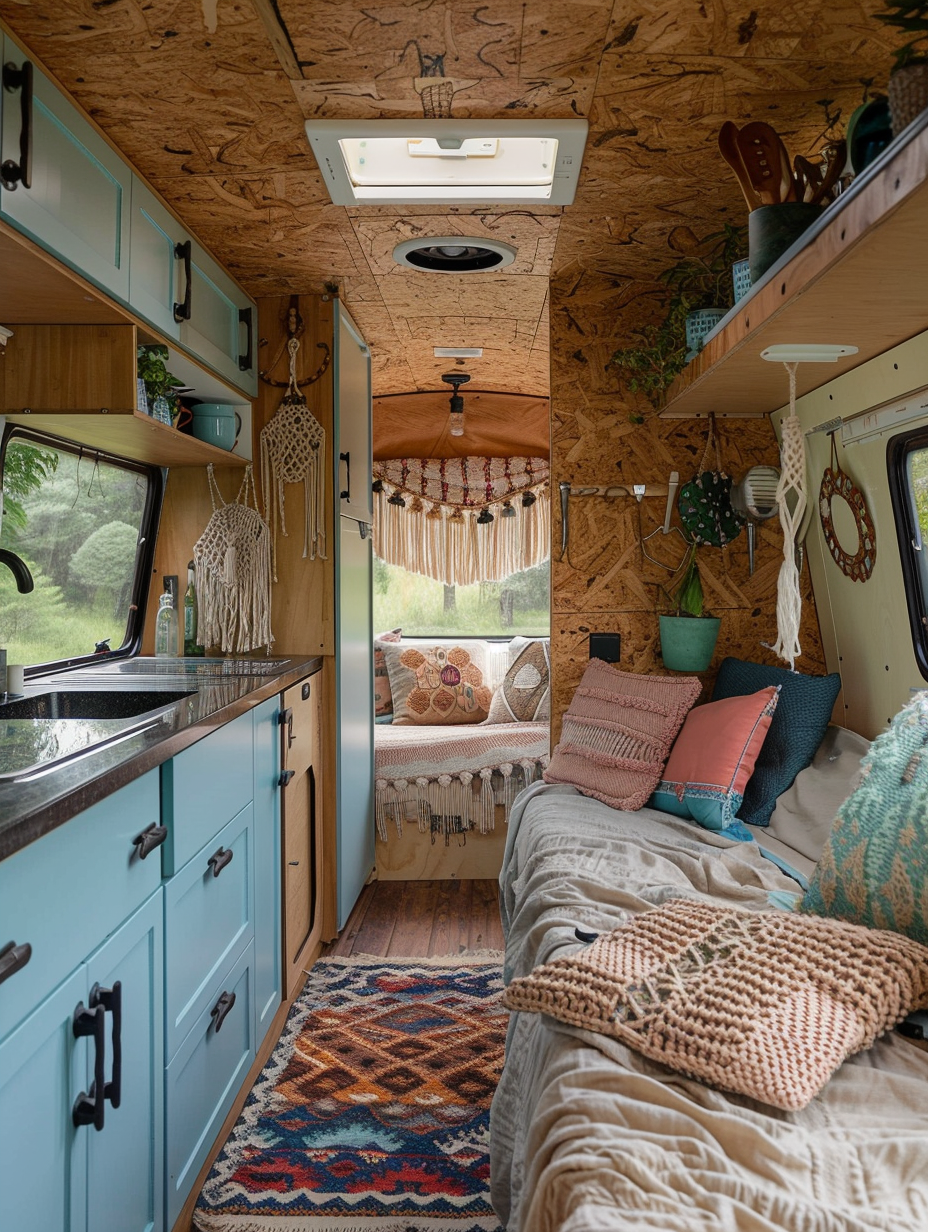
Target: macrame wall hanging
(462, 520)
(836, 482)
(293, 451)
(233, 572)
(791, 499)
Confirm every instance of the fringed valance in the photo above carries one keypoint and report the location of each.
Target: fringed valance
(462, 520)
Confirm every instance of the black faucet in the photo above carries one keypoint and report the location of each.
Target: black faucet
(20, 571)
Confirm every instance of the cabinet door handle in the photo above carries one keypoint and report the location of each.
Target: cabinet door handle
(13, 173)
(246, 361)
(89, 1107)
(13, 958)
(149, 840)
(111, 1000)
(219, 859)
(221, 1008)
(285, 777)
(182, 310)
(345, 493)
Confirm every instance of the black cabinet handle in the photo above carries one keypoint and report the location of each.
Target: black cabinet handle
(345, 494)
(182, 309)
(221, 1008)
(219, 859)
(246, 361)
(285, 718)
(285, 777)
(111, 1000)
(149, 840)
(13, 958)
(89, 1107)
(13, 173)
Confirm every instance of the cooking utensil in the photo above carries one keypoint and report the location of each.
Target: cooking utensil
(809, 177)
(728, 148)
(767, 163)
(836, 157)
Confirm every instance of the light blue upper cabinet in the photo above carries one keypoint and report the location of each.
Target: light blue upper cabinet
(154, 267)
(73, 195)
(222, 320)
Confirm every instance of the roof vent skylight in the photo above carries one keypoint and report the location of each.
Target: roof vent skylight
(435, 162)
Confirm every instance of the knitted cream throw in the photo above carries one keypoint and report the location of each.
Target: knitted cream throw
(767, 1004)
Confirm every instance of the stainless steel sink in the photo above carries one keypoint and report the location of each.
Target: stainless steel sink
(90, 704)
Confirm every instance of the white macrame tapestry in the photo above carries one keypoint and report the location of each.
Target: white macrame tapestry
(427, 511)
(293, 451)
(233, 572)
(791, 491)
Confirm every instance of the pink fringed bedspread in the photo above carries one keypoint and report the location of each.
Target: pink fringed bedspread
(450, 779)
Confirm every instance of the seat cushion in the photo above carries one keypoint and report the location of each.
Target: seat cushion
(796, 731)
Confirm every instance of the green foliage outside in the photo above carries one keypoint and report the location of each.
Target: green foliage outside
(417, 604)
(919, 480)
(76, 527)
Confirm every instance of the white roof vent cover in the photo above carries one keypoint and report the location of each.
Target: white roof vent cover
(448, 162)
(454, 254)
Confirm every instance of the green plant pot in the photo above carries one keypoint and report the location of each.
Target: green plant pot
(688, 642)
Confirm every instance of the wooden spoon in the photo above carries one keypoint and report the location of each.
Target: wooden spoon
(835, 165)
(809, 177)
(728, 148)
(767, 163)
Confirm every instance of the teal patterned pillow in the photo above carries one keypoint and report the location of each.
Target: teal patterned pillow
(874, 869)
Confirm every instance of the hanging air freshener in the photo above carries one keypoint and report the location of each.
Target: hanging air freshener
(836, 482)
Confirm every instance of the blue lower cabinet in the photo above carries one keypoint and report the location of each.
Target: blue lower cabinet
(208, 920)
(58, 1176)
(268, 978)
(203, 1079)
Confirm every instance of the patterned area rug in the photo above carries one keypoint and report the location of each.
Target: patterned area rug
(372, 1114)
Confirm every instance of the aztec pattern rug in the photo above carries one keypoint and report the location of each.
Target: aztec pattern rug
(372, 1113)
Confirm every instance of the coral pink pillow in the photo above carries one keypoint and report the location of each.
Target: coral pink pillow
(713, 757)
(618, 731)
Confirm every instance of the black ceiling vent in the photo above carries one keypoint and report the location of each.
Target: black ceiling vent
(454, 254)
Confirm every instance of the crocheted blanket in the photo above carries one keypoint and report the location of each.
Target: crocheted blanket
(450, 779)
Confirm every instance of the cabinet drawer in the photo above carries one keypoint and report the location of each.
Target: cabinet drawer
(202, 1082)
(204, 787)
(63, 893)
(208, 919)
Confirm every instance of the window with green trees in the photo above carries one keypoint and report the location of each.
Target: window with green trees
(422, 607)
(76, 519)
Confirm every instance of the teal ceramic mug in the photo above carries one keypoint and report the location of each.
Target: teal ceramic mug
(216, 423)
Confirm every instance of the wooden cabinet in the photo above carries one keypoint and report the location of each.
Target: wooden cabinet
(154, 285)
(222, 321)
(77, 201)
(302, 828)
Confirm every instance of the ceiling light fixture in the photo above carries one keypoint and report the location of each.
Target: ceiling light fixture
(454, 254)
(457, 352)
(456, 402)
(436, 162)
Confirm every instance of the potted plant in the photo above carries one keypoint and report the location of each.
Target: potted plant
(908, 81)
(698, 293)
(160, 385)
(689, 634)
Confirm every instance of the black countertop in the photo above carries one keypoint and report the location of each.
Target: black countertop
(215, 691)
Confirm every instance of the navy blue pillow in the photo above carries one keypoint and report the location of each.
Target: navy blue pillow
(798, 728)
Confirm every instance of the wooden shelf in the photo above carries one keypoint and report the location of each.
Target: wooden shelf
(131, 435)
(857, 277)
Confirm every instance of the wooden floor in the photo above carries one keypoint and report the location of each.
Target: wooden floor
(420, 919)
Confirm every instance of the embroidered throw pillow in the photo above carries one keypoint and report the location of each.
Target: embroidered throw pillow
(617, 733)
(437, 684)
(874, 867)
(383, 698)
(712, 759)
(525, 693)
(796, 731)
(764, 1003)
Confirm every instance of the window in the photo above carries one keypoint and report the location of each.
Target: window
(422, 607)
(907, 460)
(80, 522)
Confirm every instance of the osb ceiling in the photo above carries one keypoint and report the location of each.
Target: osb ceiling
(208, 97)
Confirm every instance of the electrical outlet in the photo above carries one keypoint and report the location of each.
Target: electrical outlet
(606, 646)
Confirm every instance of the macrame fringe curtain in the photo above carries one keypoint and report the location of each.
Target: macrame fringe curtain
(436, 532)
(450, 804)
(232, 559)
(790, 490)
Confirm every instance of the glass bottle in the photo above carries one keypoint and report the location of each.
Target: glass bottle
(191, 614)
(166, 628)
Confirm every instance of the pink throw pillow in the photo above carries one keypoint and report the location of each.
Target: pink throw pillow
(617, 732)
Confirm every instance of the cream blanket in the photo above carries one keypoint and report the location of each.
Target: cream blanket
(589, 1136)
